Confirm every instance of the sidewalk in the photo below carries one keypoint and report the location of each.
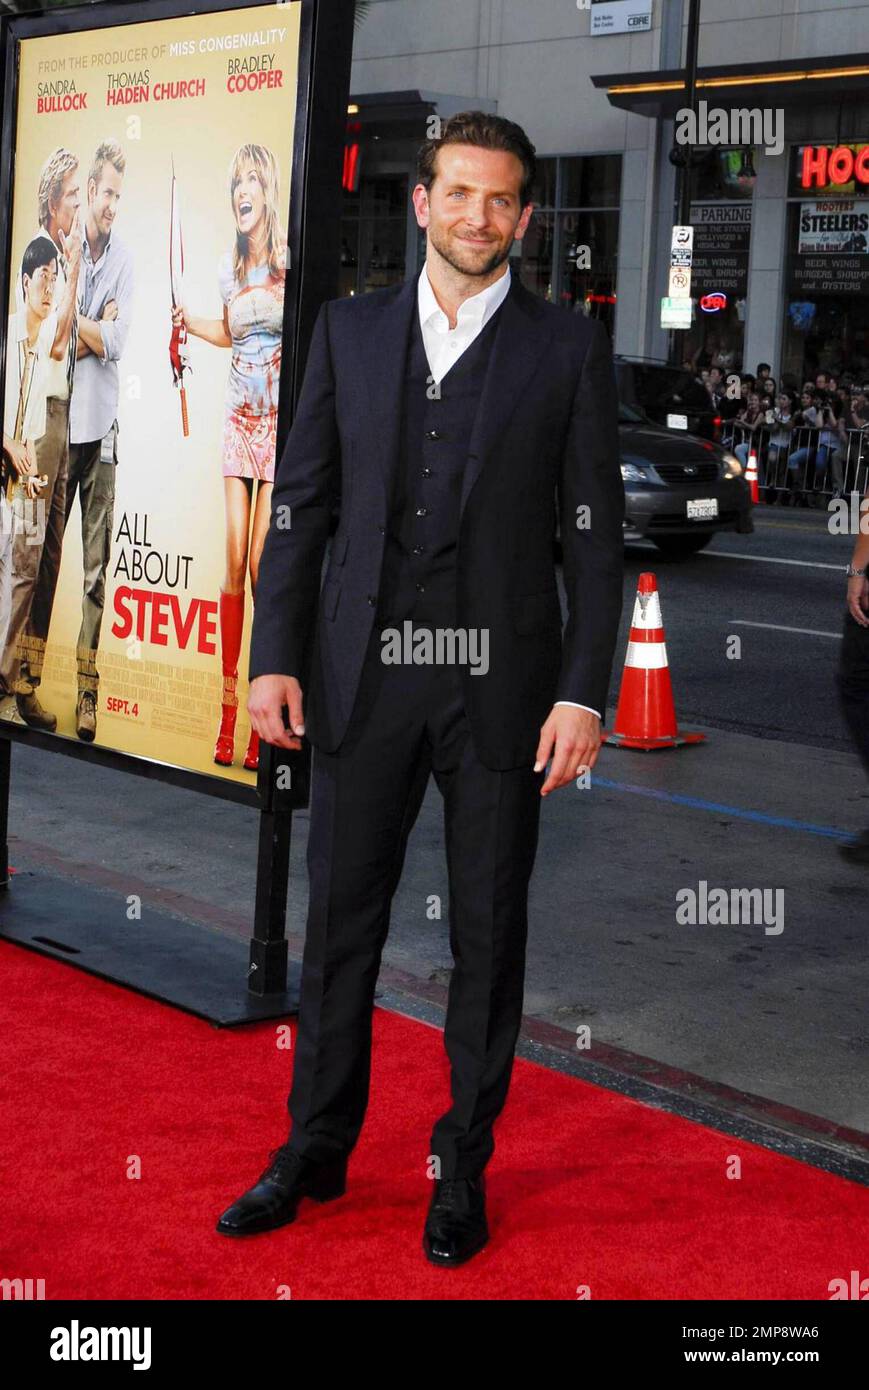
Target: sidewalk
(779, 1015)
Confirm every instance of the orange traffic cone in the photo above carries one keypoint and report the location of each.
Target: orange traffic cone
(751, 476)
(646, 716)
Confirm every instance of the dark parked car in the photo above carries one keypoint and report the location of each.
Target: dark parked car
(670, 396)
(679, 489)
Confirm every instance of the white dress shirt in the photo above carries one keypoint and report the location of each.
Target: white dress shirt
(58, 372)
(33, 420)
(94, 406)
(444, 345)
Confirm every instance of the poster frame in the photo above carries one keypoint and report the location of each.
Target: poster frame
(325, 45)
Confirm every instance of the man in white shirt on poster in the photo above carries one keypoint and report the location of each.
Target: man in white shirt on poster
(37, 335)
(36, 558)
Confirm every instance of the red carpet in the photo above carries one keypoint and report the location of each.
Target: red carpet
(585, 1188)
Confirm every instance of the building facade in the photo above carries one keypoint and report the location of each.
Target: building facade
(781, 259)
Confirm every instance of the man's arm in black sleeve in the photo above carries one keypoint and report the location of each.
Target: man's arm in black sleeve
(592, 509)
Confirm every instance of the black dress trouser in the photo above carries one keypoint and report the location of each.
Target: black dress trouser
(853, 681)
(409, 721)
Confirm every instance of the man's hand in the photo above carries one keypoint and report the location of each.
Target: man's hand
(70, 245)
(858, 599)
(265, 702)
(110, 311)
(21, 457)
(576, 736)
(33, 486)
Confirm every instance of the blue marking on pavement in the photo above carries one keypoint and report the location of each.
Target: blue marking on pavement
(784, 822)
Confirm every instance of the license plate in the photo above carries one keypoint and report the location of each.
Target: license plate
(677, 422)
(703, 509)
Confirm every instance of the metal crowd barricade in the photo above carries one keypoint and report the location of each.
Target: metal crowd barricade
(799, 465)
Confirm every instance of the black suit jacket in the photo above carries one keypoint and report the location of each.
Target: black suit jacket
(545, 441)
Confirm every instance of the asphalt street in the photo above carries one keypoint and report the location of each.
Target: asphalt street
(781, 592)
(779, 1014)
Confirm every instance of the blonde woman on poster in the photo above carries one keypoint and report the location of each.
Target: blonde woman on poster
(251, 279)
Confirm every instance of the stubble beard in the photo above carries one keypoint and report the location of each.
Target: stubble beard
(446, 247)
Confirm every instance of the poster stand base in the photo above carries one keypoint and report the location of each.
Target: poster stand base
(180, 963)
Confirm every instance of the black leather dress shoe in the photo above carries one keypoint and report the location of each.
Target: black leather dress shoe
(456, 1228)
(274, 1198)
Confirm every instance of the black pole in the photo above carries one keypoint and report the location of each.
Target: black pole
(690, 104)
(267, 966)
(284, 777)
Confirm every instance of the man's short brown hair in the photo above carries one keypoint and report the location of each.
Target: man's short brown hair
(109, 152)
(489, 132)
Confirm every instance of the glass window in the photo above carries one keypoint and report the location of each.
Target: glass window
(535, 268)
(723, 173)
(569, 253)
(591, 181)
(543, 188)
(373, 233)
(722, 187)
(826, 290)
(589, 251)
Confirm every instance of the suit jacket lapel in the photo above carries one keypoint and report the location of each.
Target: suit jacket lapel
(521, 338)
(383, 348)
(523, 332)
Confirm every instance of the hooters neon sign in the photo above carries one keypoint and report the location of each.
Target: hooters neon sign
(824, 165)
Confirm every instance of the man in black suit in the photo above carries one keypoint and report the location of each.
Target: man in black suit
(457, 415)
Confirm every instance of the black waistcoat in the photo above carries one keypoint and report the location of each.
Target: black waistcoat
(418, 579)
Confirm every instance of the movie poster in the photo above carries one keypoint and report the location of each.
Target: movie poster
(143, 355)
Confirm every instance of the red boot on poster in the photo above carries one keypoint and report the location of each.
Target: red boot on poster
(251, 757)
(231, 610)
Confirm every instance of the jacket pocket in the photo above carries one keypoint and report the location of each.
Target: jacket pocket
(338, 552)
(329, 598)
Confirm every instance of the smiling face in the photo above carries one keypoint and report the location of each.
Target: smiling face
(103, 199)
(248, 200)
(472, 211)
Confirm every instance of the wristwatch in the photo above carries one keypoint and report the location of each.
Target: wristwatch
(853, 573)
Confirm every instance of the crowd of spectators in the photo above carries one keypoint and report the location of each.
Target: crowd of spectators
(808, 445)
